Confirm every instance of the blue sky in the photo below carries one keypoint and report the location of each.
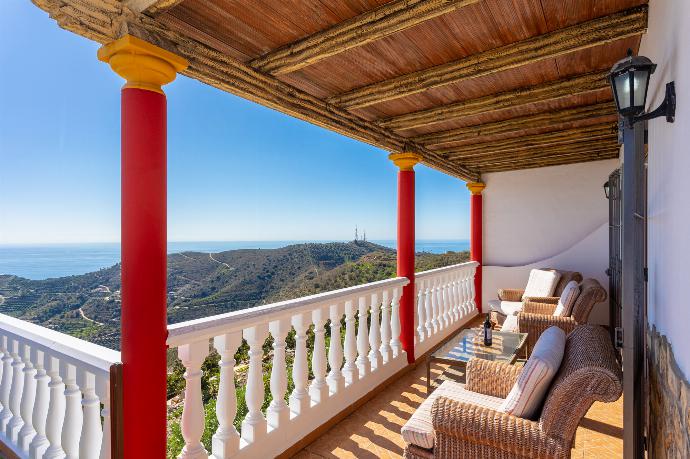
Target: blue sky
(236, 170)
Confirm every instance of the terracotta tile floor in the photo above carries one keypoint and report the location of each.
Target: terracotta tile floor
(373, 431)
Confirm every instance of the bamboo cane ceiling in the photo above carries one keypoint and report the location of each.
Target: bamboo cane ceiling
(473, 86)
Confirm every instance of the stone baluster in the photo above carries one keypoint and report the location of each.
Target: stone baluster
(192, 356)
(438, 295)
(103, 393)
(6, 384)
(436, 322)
(465, 282)
(421, 316)
(56, 410)
(278, 413)
(335, 379)
(396, 346)
(443, 300)
(375, 334)
(299, 398)
(318, 389)
(429, 324)
(71, 428)
(254, 424)
(15, 423)
(472, 303)
(26, 408)
(457, 297)
(363, 364)
(39, 443)
(465, 292)
(385, 347)
(226, 440)
(451, 300)
(91, 430)
(350, 368)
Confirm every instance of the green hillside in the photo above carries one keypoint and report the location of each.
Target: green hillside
(202, 284)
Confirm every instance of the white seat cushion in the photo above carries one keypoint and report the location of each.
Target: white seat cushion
(541, 283)
(419, 430)
(507, 308)
(567, 300)
(528, 392)
(510, 324)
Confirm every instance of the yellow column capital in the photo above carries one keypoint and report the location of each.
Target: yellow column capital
(143, 65)
(405, 161)
(476, 187)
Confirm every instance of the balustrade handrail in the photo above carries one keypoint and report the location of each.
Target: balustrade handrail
(433, 272)
(89, 356)
(208, 327)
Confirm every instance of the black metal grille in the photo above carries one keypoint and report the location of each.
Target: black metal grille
(615, 254)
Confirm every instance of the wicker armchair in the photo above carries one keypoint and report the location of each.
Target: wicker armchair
(537, 313)
(514, 294)
(589, 372)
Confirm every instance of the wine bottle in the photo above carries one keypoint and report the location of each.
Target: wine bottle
(487, 331)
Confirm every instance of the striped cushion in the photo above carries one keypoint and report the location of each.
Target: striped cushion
(541, 283)
(567, 300)
(419, 430)
(527, 395)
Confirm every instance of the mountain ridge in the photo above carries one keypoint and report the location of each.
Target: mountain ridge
(203, 284)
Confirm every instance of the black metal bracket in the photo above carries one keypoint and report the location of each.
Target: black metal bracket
(667, 107)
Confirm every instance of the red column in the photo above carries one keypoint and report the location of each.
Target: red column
(476, 237)
(406, 242)
(144, 213)
(144, 317)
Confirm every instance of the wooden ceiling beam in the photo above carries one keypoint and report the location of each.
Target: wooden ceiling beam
(109, 20)
(151, 7)
(555, 161)
(598, 31)
(369, 26)
(518, 124)
(581, 147)
(598, 131)
(552, 90)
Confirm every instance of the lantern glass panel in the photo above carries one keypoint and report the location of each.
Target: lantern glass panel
(623, 90)
(641, 77)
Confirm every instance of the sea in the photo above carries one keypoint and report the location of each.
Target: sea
(43, 261)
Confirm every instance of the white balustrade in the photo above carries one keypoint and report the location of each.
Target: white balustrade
(226, 440)
(319, 387)
(336, 380)
(192, 356)
(254, 424)
(363, 363)
(375, 334)
(445, 302)
(365, 357)
(278, 412)
(52, 387)
(350, 368)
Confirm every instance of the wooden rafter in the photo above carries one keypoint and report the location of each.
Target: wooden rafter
(518, 124)
(541, 153)
(369, 26)
(549, 91)
(606, 29)
(151, 7)
(556, 160)
(564, 137)
(221, 71)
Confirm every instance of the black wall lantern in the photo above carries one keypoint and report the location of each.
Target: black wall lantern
(607, 188)
(629, 80)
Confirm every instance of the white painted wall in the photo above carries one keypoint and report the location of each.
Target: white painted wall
(547, 217)
(666, 43)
